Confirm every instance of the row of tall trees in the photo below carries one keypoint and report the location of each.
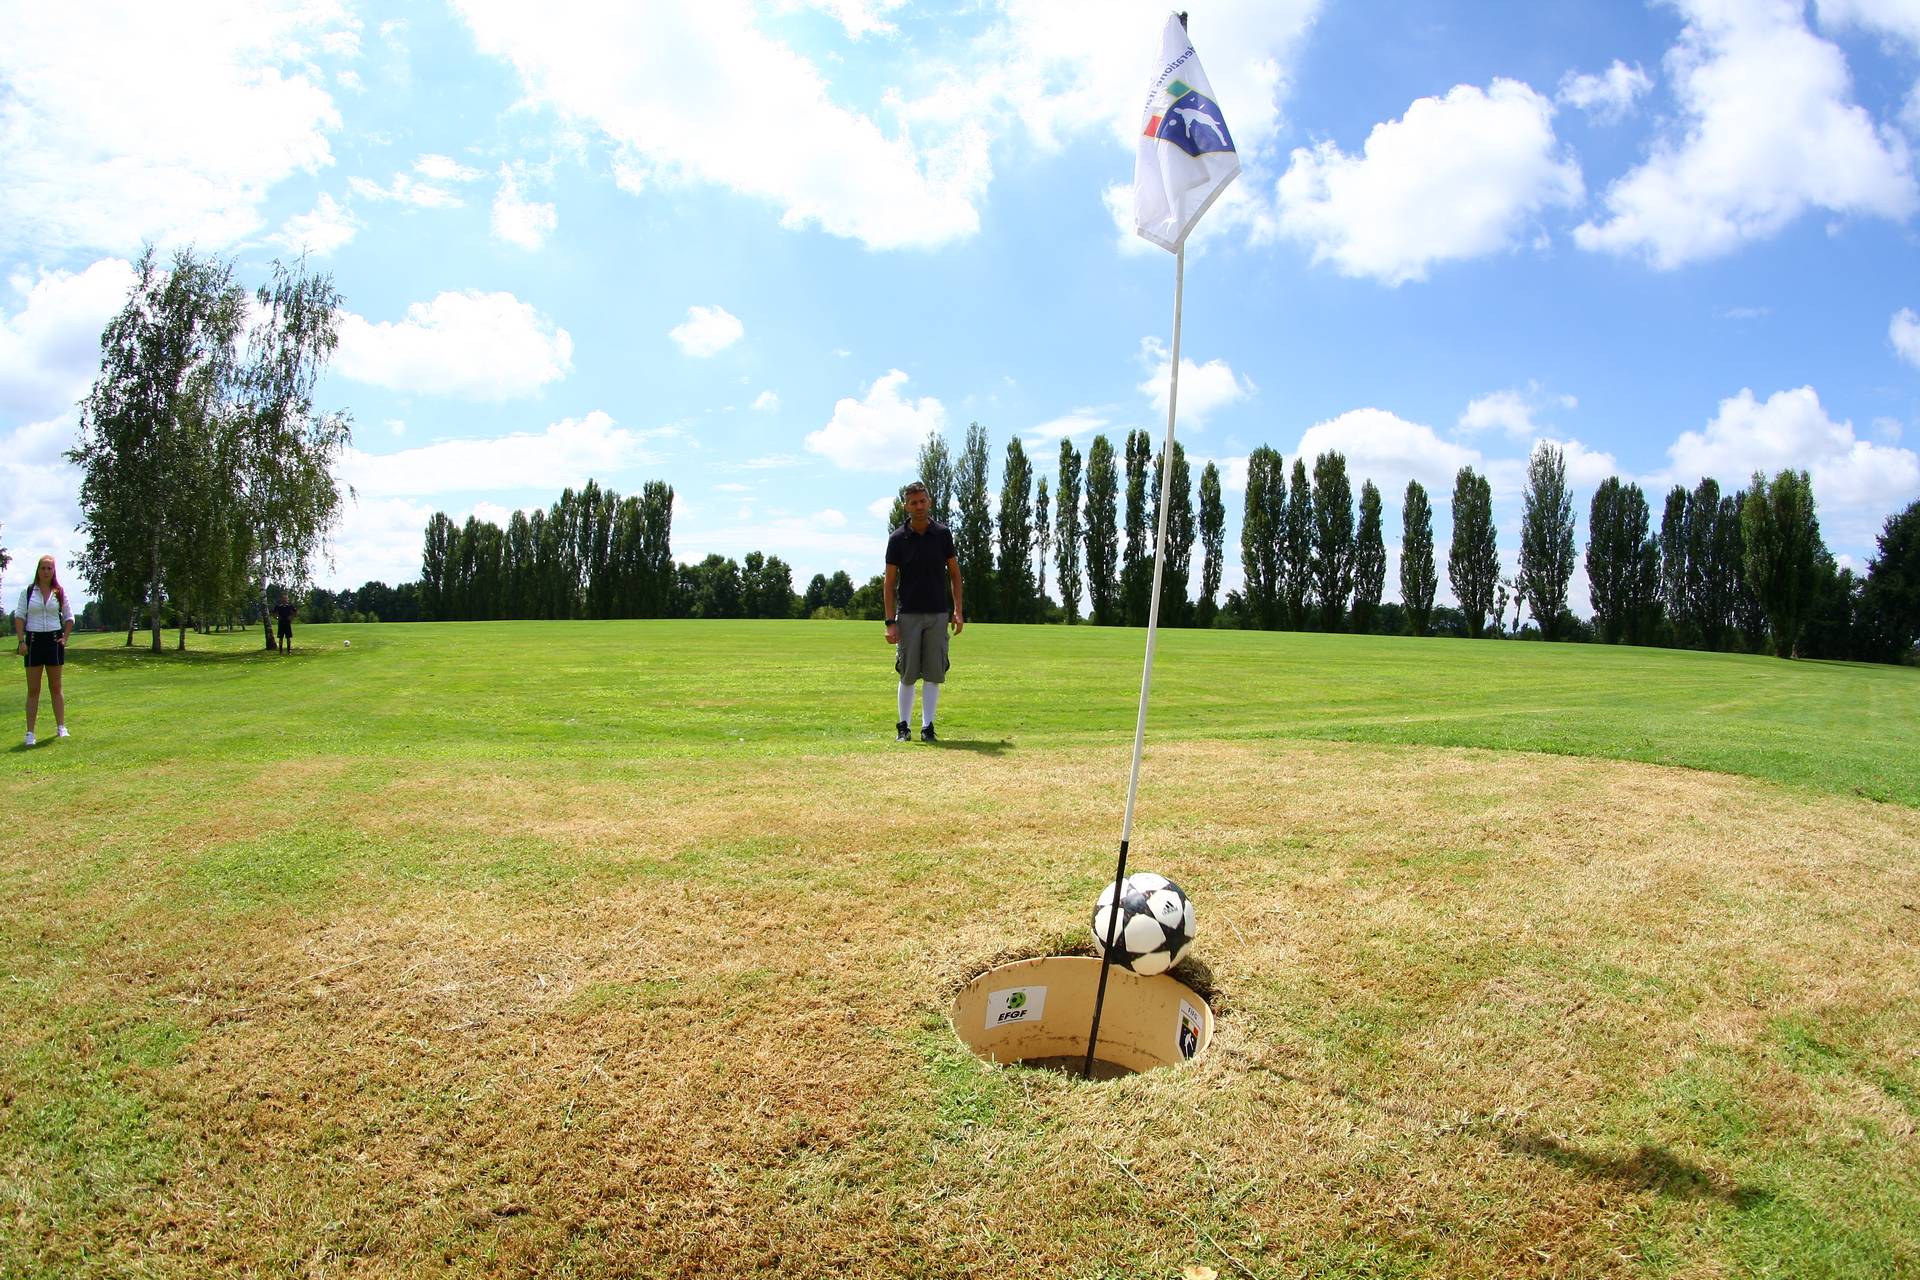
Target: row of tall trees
(206, 469)
(1095, 529)
(592, 554)
(1745, 570)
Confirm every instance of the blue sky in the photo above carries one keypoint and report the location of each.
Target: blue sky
(759, 250)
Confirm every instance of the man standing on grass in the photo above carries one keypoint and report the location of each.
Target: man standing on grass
(921, 562)
(283, 612)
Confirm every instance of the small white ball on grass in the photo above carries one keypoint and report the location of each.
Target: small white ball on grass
(347, 643)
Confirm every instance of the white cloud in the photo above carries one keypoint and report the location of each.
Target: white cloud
(1512, 411)
(829, 519)
(1506, 410)
(518, 220)
(1118, 197)
(767, 402)
(1792, 429)
(406, 189)
(568, 452)
(859, 17)
(1063, 66)
(1389, 450)
(1205, 389)
(99, 149)
(479, 346)
(883, 432)
(1233, 472)
(1457, 177)
(1609, 95)
(378, 540)
(1078, 422)
(438, 168)
(39, 492)
(1771, 132)
(330, 225)
(698, 93)
(1904, 333)
(50, 346)
(707, 331)
(1586, 468)
(881, 508)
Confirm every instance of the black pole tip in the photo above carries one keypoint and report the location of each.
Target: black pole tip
(1183, 20)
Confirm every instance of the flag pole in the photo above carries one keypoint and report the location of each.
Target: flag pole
(1146, 674)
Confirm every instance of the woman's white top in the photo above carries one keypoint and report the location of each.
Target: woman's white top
(43, 612)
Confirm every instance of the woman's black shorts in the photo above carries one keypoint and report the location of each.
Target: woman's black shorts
(45, 650)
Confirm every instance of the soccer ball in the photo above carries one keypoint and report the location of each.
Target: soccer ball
(1156, 923)
(347, 643)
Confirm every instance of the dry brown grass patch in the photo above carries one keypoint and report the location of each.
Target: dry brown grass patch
(1451, 980)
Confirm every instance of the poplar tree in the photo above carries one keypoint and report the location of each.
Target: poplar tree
(935, 470)
(1296, 544)
(1369, 560)
(1723, 585)
(1067, 531)
(1617, 520)
(1473, 564)
(1419, 577)
(1673, 565)
(973, 525)
(1546, 538)
(1042, 539)
(1782, 544)
(1332, 538)
(1174, 608)
(1136, 573)
(1213, 543)
(1103, 535)
(1890, 607)
(1262, 533)
(1015, 580)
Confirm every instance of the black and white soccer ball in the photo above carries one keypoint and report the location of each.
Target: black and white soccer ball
(1156, 925)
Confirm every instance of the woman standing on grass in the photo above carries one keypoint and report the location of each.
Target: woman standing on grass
(42, 624)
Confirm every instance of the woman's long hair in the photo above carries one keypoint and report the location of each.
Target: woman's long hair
(53, 576)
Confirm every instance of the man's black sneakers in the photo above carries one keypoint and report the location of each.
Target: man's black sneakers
(900, 733)
(927, 734)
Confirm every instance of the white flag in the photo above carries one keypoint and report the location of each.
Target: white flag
(1186, 157)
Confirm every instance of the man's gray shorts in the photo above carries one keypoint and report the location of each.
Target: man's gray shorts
(922, 654)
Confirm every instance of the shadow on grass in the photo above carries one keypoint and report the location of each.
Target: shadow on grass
(122, 656)
(1648, 1169)
(979, 746)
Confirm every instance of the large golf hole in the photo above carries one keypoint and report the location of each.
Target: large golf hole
(1037, 1013)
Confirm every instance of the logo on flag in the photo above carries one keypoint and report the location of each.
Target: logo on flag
(1190, 120)
(1186, 156)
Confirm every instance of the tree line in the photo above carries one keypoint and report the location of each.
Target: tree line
(592, 554)
(207, 480)
(1742, 571)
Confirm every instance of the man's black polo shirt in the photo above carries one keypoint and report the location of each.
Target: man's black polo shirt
(922, 558)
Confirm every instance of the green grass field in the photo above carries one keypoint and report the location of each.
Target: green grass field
(600, 949)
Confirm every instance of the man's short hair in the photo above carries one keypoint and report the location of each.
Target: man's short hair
(913, 486)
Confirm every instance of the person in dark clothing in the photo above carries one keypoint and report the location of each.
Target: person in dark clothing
(921, 566)
(283, 635)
